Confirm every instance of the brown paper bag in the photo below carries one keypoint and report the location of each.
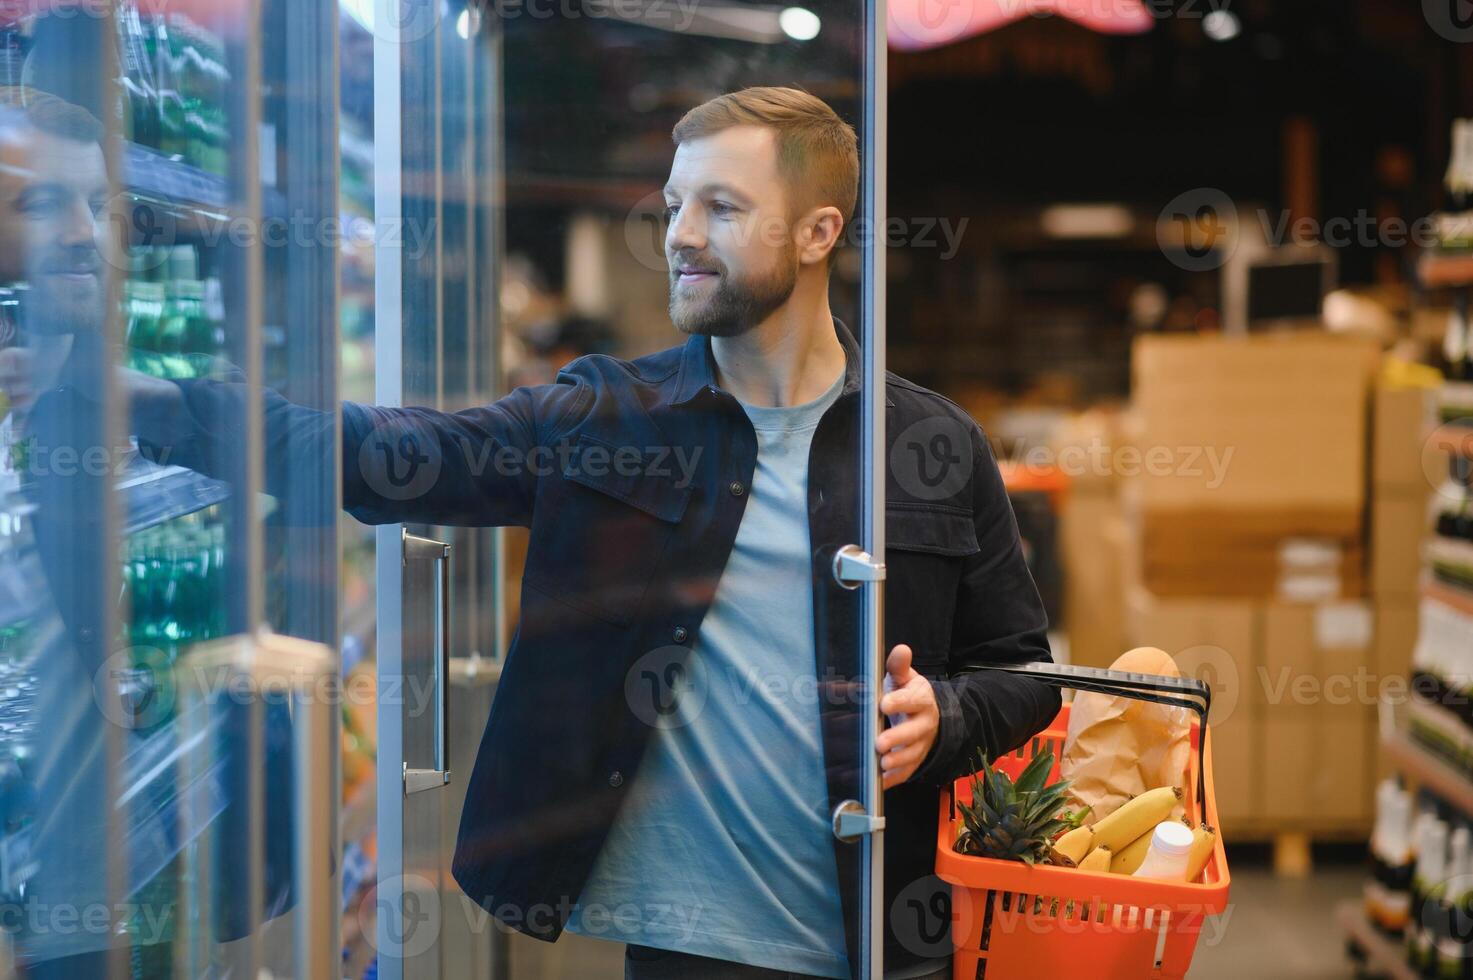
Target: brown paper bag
(1119, 747)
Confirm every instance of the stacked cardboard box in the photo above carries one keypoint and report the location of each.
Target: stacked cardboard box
(1402, 467)
(1092, 538)
(1253, 462)
(1294, 705)
(1250, 567)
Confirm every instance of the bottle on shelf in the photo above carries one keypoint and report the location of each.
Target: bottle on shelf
(143, 312)
(139, 103)
(184, 300)
(162, 49)
(1458, 340)
(1449, 947)
(1427, 883)
(1388, 891)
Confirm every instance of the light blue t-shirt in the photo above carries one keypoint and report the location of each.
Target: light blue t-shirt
(723, 848)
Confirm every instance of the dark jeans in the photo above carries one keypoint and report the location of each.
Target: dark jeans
(646, 963)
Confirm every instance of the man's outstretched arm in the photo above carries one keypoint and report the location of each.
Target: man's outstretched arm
(474, 467)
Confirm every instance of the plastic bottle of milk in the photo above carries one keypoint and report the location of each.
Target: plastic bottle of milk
(1167, 858)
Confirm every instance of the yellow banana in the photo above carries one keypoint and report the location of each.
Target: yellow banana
(1130, 857)
(1135, 817)
(1204, 840)
(1073, 846)
(1096, 860)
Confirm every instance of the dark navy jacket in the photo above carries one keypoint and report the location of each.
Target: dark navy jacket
(632, 477)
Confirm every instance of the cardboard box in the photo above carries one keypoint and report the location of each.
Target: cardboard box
(1398, 525)
(1236, 768)
(1244, 573)
(1341, 781)
(1318, 772)
(1213, 640)
(1316, 658)
(1179, 625)
(1402, 420)
(1290, 748)
(1091, 539)
(1396, 636)
(1268, 423)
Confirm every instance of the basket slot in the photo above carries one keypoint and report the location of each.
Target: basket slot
(987, 907)
(1165, 926)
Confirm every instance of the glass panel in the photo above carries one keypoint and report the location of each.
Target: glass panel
(678, 714)
(62, 760)
(358, 620)
(154, 157)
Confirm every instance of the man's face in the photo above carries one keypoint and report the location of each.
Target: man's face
(53, 191)
(730, 242)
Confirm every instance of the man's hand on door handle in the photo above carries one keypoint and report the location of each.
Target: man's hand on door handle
(904, 746)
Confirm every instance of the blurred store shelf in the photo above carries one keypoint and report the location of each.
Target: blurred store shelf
(1409, 756)
(1441, 269)
(1383, 954)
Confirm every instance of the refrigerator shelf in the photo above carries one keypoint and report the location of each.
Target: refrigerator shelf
(153, 177)
(154, 494)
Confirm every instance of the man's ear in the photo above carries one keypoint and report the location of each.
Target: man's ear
(818, 234)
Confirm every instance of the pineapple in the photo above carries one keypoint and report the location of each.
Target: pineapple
(1016, 821)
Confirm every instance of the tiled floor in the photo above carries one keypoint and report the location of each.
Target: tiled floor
(1275, 928)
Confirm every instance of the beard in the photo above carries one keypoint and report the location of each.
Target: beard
(59, 304)
(730, 307)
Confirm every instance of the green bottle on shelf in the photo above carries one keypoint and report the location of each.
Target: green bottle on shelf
(187, 328)
(143, 303)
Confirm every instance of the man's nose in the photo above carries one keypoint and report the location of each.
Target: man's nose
(687, 230)
(77, 224)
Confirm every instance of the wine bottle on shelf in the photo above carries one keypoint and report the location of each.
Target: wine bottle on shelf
(1445, 917)
(1387, 895)
(1427, 876)
(1458, 341)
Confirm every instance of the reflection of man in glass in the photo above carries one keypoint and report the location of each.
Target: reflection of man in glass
(53, 184)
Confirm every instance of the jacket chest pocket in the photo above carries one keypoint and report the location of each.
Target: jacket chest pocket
(600, 532)
(927, 549)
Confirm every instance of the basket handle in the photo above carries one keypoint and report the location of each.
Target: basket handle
(1180, 692)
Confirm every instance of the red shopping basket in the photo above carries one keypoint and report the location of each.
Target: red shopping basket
(1012, 921)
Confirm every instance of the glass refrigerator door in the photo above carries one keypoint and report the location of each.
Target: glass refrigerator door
(520, 159)
(168, 612)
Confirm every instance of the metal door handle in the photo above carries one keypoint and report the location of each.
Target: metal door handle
(417, 548)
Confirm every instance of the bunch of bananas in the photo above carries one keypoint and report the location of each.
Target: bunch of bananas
(1118, 842)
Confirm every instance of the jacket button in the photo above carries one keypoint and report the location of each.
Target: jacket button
(616, 779)
(736, 489)
(679, 633)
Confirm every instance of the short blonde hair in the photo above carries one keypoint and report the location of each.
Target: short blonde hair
(817, 152)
